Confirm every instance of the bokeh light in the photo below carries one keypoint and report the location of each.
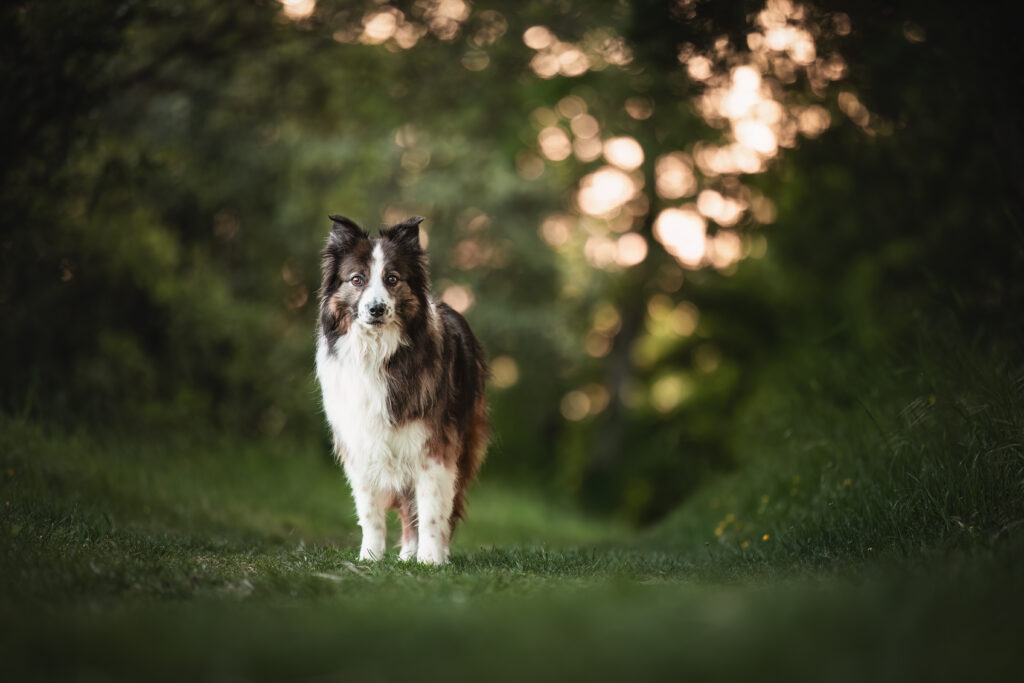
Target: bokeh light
(725, 211)
(639, 108)
(669, 391)
(681, 232)
(445, 17)
(674, 176)
(538, 37)
(504, 372)
(380, 25)
(556, 229)
(584, 125)
(297, 9)
(631, 249)
(459, 297)
(624, 152)
(554, 143)
(605, 191)
(575, 405)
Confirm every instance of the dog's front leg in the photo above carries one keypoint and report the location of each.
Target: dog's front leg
(371, 508)
(435, 494)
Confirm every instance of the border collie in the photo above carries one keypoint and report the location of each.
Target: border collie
(402, 378)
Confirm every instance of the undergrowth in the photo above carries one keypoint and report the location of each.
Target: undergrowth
(843, 462)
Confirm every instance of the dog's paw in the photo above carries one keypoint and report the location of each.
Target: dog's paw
(370, 555)
(432, 556)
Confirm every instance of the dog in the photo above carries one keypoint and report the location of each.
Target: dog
(403, 384)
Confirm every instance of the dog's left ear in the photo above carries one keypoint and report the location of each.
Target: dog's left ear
(406, 233)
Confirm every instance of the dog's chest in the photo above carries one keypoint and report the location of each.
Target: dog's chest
(355, 396)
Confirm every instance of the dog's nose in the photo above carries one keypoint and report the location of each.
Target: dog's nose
(377, 309)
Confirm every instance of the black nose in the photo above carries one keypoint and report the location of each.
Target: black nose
(377, 310)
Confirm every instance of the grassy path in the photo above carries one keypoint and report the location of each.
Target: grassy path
(182, 561)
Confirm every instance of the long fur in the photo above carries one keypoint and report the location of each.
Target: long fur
(402, 378)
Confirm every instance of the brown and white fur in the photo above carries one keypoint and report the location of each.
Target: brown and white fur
(402, 378)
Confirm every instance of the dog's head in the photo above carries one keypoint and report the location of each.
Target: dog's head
(372, 282)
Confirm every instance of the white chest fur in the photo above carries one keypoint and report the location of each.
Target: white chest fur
(377, 454)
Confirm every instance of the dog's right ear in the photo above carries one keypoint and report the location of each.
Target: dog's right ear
(345, 232)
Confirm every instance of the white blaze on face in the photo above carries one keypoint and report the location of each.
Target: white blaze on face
(376, 292)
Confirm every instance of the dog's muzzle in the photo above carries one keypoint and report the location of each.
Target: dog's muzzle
(375, 313)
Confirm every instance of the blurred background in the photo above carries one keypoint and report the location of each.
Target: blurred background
(654, 214)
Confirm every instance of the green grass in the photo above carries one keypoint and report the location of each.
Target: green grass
(863, 463)
(849, 545)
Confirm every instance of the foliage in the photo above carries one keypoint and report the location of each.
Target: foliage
(169, 164)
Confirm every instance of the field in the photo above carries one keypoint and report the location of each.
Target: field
(207, 558)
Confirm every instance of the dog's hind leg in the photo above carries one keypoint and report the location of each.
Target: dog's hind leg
(410, 527)
(435, 496)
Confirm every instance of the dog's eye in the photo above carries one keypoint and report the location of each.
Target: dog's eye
(392, 280)
(357, 280)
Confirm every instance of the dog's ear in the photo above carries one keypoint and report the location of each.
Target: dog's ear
(345, 232)
(406, 233)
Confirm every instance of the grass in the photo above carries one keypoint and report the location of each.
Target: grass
(851, 545)
(854, 464)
